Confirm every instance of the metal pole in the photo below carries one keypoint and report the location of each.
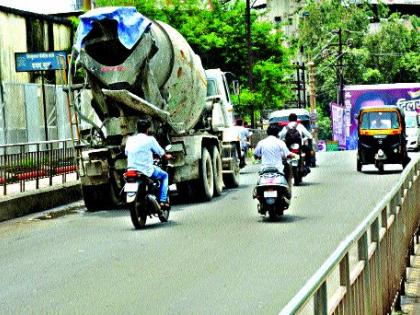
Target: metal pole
(250, 61)
(298, 85)
(69, 114)
(87, 5)
(44, 103)
(304, 85)
(340, 69)
(312, 100)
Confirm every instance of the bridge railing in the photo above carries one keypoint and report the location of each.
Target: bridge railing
(36, 164)
(365, 273)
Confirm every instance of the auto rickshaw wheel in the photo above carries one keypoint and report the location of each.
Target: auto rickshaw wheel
(359, 165)
(405, 161)
(380, 166)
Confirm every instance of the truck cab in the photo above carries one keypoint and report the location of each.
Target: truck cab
(217, 86)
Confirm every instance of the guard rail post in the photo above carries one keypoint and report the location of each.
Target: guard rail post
(345, 281)
(363, 254)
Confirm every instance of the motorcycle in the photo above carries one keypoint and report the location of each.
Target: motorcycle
(299, 169)
(272, 192)
(142, 197)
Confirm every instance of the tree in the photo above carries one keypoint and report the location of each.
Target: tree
(389, 55)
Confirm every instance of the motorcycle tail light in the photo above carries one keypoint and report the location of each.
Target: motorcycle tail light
(295, 151)
(131, 173)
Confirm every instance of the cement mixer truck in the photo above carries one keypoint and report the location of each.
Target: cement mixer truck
(137, 68)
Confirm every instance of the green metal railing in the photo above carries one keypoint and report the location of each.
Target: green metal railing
(369, 281)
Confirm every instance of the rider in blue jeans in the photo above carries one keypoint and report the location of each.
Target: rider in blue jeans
(139, 150)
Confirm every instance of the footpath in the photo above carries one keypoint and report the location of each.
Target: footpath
(23, 198)
(410, 301)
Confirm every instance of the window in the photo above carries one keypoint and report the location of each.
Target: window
(211, 88)
(410, 121)
(380, 120)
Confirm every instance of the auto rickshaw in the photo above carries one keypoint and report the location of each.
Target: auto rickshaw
(382, 138)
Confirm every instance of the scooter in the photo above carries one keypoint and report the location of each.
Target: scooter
(272, 192)
(142, 198)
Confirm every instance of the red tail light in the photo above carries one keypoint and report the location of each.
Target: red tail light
(131, 173)
(295, 151)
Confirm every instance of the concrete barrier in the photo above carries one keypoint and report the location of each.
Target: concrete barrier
(25, 203)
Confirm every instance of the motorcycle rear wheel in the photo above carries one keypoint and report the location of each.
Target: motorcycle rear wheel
(275, 214)
(164, 216)
(137, 217)
(296, 176)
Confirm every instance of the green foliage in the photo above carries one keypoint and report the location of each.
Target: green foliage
(390, 54)
(218, 36)
(324, 128)
(74, 22)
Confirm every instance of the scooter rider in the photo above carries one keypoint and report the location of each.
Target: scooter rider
(139, 150)
(272, 151)
(304, 134)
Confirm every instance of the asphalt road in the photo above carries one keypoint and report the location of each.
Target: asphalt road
(219, 257)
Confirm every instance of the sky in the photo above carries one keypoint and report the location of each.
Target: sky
(40, 6)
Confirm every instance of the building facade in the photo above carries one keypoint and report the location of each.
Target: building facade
(21, 99)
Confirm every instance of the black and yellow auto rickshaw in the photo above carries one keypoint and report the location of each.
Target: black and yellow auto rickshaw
(382, 138)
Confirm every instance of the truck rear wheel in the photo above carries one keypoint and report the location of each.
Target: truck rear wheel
(217, 171)
(97, 197)
(206, 182)
(231, 179)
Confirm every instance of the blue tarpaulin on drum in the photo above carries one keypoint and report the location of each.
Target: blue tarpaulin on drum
(131, 24)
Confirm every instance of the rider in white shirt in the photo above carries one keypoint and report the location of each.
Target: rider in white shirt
(272, 151)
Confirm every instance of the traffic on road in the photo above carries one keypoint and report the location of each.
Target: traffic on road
(219, 257)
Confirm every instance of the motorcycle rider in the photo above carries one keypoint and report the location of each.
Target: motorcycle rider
(304, 134)
(272, 151)
(139, 150)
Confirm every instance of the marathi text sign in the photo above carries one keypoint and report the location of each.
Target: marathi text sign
(40, 61)
(404, 95)
(338, 125)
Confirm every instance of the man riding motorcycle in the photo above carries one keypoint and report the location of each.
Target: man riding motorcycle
(305, 136)
(139, 150)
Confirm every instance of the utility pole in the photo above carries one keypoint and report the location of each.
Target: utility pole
(312, 102)
(340, 69)
(303, 84)
(298, 84)
(250, 61)
(87, 5)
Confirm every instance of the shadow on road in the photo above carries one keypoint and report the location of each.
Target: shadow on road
(286, 218)
(308, 183)
(155, 225)
(385, 172)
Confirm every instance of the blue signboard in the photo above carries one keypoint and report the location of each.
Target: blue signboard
(40, 61)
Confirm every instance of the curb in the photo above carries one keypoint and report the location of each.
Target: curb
(25, 203)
